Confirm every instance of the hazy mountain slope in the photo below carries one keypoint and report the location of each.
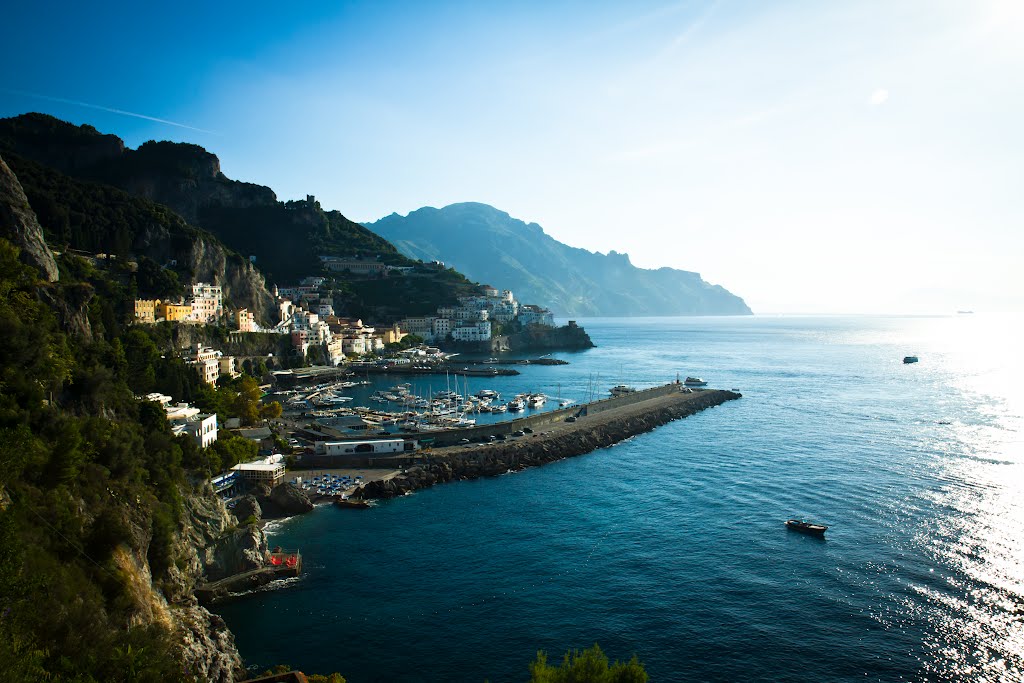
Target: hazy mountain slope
(490, 246)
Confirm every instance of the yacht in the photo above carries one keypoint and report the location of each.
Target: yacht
(622, 389)
(695, 382)
(536, 400)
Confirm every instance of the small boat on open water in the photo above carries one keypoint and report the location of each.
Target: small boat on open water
(909, 359)
(805, 527)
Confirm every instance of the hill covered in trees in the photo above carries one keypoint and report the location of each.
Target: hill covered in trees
(92, 190)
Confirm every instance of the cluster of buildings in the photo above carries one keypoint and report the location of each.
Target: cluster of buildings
(471, 320)
(211, 363)
(307, 315)
(206, 305)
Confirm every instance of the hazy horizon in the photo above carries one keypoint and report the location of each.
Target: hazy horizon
(810, 159)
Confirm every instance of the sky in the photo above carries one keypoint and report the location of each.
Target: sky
(839, 157)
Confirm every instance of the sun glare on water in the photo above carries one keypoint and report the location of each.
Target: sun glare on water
(977, 539)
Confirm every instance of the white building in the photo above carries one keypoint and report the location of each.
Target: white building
(473, 332)
(441, 328)
(185, 419)
(203, 429)
(535, 315)
(206, 361)
(336, 350)
(369, 447)
(269, 473)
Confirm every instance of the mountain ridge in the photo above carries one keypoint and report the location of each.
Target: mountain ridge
(487, 243)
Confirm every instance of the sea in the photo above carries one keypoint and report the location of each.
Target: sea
(671, 546)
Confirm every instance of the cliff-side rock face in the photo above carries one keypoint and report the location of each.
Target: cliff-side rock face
(539, 338)
(184, 177)
(18, 223)
(209, 547)
(208, 261)
(207, 646)
(59, 144)
(240, 550)
(248, 507)
(71, 306)
(290, 499)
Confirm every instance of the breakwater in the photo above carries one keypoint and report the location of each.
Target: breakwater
(613, 421)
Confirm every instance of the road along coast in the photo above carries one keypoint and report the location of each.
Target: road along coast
(597, 426)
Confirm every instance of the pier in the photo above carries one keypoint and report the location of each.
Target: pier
(280, 564)
(471, 453)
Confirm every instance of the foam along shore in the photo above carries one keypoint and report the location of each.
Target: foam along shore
(615, 422)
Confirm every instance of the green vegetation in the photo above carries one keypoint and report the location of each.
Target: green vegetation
(287, 238)
(589, 666)
(87, 475)
(312, 678)
(97, 218)
(92, 479)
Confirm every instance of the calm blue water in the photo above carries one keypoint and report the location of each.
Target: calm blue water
(671, 545)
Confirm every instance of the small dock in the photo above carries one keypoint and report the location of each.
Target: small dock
(280, 564)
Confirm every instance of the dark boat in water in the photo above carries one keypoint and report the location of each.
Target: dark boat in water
(909, 359)
(806, 527)
(355, 503)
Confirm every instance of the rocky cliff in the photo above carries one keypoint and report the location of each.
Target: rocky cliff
(208, 545)
(184, 177)
(94, 218)
(18, 224)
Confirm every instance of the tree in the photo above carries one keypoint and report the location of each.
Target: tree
(588, 666)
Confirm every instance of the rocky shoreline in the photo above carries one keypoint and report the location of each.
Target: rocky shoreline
(562, 441)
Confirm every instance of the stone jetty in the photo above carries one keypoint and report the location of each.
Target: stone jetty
(598, 425)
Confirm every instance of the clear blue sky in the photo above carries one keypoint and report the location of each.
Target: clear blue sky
(809, 156)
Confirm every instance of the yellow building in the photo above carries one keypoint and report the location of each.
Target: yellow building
(393, 335)
(174, 312)
(145, 310)
(245, 320)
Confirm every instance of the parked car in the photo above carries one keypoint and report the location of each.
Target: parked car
(571, 418)
(527, 430)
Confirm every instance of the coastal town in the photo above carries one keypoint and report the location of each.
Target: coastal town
(306, 313)
(318, 424)
(316, 420)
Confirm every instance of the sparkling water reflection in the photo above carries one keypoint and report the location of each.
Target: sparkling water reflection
(670, 545)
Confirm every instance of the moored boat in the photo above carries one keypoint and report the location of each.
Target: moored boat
(806, 527)
(695, 382)
(357, 504)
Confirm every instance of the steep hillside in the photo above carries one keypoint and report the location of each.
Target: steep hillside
(106, 521)
(491, 246)
(97, 218)
(286, 238)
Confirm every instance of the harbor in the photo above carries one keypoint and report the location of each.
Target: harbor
(405, 461)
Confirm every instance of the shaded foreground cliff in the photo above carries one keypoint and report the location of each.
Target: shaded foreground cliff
(555, 440)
